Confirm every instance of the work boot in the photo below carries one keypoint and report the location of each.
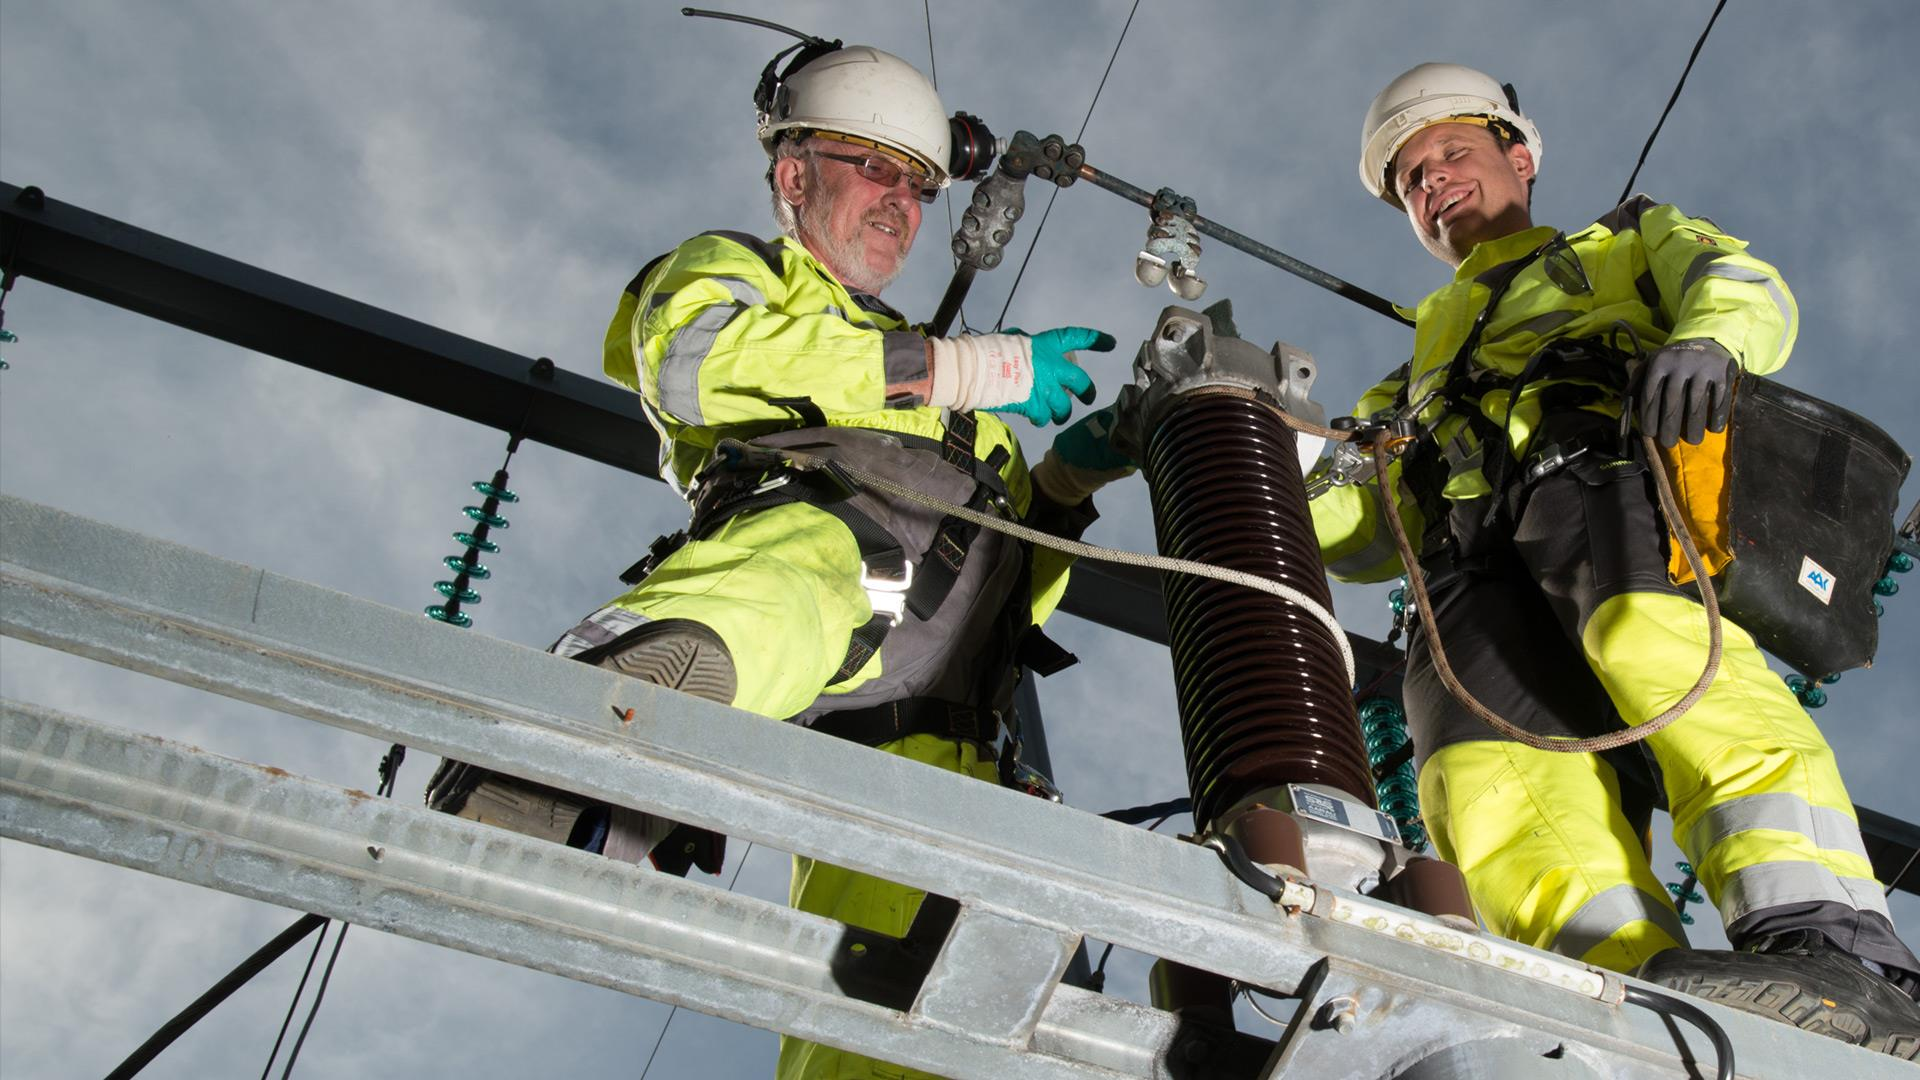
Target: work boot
(675, 653)
(1799, 978)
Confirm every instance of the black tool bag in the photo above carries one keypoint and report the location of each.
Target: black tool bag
(1812, 493)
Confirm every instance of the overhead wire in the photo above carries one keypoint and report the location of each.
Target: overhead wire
(1695, 55)
(389, 774)
(675, 1011)
(319, 995)
(1041, 227)
(219, 992)
(294, 1005)
(946, 199)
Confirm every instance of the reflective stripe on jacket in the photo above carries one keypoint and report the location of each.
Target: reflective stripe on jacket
(1650, 267)
(716, 331)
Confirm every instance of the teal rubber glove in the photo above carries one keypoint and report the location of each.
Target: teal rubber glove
(1087, 444)
(1082, 460)
(1056, 375)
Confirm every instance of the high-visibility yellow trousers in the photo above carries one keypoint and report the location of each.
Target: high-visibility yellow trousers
(1565, 623)
(871, 904)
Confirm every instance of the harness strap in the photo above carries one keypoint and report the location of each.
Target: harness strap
(947, 555)
(1583, 358)
(892, 720)
(894, 585)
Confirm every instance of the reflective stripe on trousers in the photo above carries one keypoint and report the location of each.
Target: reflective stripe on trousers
(1757, 800)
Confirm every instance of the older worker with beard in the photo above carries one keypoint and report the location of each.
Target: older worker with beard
(863, 617)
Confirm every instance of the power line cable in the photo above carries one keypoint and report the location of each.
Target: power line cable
(933, 66)
(219, 992)
(389, 773)
(675, 1011)
(1695, 55)
(319, 995)
(1038, 229)
(294, 1005)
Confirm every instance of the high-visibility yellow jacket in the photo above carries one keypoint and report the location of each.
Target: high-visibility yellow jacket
(713, 334)
(1667, 276)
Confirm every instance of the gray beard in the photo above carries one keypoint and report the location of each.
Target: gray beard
(846, 258)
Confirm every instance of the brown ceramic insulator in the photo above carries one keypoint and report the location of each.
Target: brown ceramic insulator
(1262, 689)
(1430, 886)
(1272, 838)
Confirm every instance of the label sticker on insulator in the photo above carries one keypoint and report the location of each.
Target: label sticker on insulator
(1349, 814)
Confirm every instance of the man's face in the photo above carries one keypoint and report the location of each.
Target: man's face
(1460, 188)
(860, 230)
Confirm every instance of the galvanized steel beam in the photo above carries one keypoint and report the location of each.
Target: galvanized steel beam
(1024, 870)
(73, 785)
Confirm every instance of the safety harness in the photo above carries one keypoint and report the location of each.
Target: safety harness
(743, 478)
(1588, 370)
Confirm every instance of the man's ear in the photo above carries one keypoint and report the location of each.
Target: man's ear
(1522, 160)
(790, 179)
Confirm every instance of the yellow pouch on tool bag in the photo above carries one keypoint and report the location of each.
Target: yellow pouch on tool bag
(1792, 508)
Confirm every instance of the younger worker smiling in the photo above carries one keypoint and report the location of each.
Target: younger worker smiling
(1536, 525)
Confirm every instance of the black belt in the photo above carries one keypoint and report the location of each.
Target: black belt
(893, 720)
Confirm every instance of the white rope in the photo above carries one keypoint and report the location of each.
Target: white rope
(1091, 551)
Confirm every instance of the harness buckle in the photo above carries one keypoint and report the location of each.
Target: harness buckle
(1550, 460)
(888, 595)
(780, 479)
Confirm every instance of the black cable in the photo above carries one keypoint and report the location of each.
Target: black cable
(294, 1005)
(319, 995)
(217, 993)
(1037, 229)
(1097, 980)
(1134, 815)
(1246, 869)
(1667, 1005)
(675, 1011)
(933, 66)
(1695, 55)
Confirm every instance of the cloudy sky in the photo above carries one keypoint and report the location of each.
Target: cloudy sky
(501, 169)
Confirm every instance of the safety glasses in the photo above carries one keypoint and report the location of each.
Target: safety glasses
(887, 172)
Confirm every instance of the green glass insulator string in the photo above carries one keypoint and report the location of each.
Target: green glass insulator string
(466, 566)
(1383, 725)
(1684, 892)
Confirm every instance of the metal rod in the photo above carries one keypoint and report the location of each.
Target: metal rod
(950, 302)
(1255, 248)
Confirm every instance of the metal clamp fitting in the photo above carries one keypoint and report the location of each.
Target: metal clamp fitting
(1550, 460)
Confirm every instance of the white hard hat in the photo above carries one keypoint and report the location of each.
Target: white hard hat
(1429, 94)
(867, 93)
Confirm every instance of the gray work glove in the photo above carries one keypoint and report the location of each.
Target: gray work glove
(1686, 390)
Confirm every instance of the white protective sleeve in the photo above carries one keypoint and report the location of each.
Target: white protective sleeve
(980, 371)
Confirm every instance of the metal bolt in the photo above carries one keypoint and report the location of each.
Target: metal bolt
(1339, 1014)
